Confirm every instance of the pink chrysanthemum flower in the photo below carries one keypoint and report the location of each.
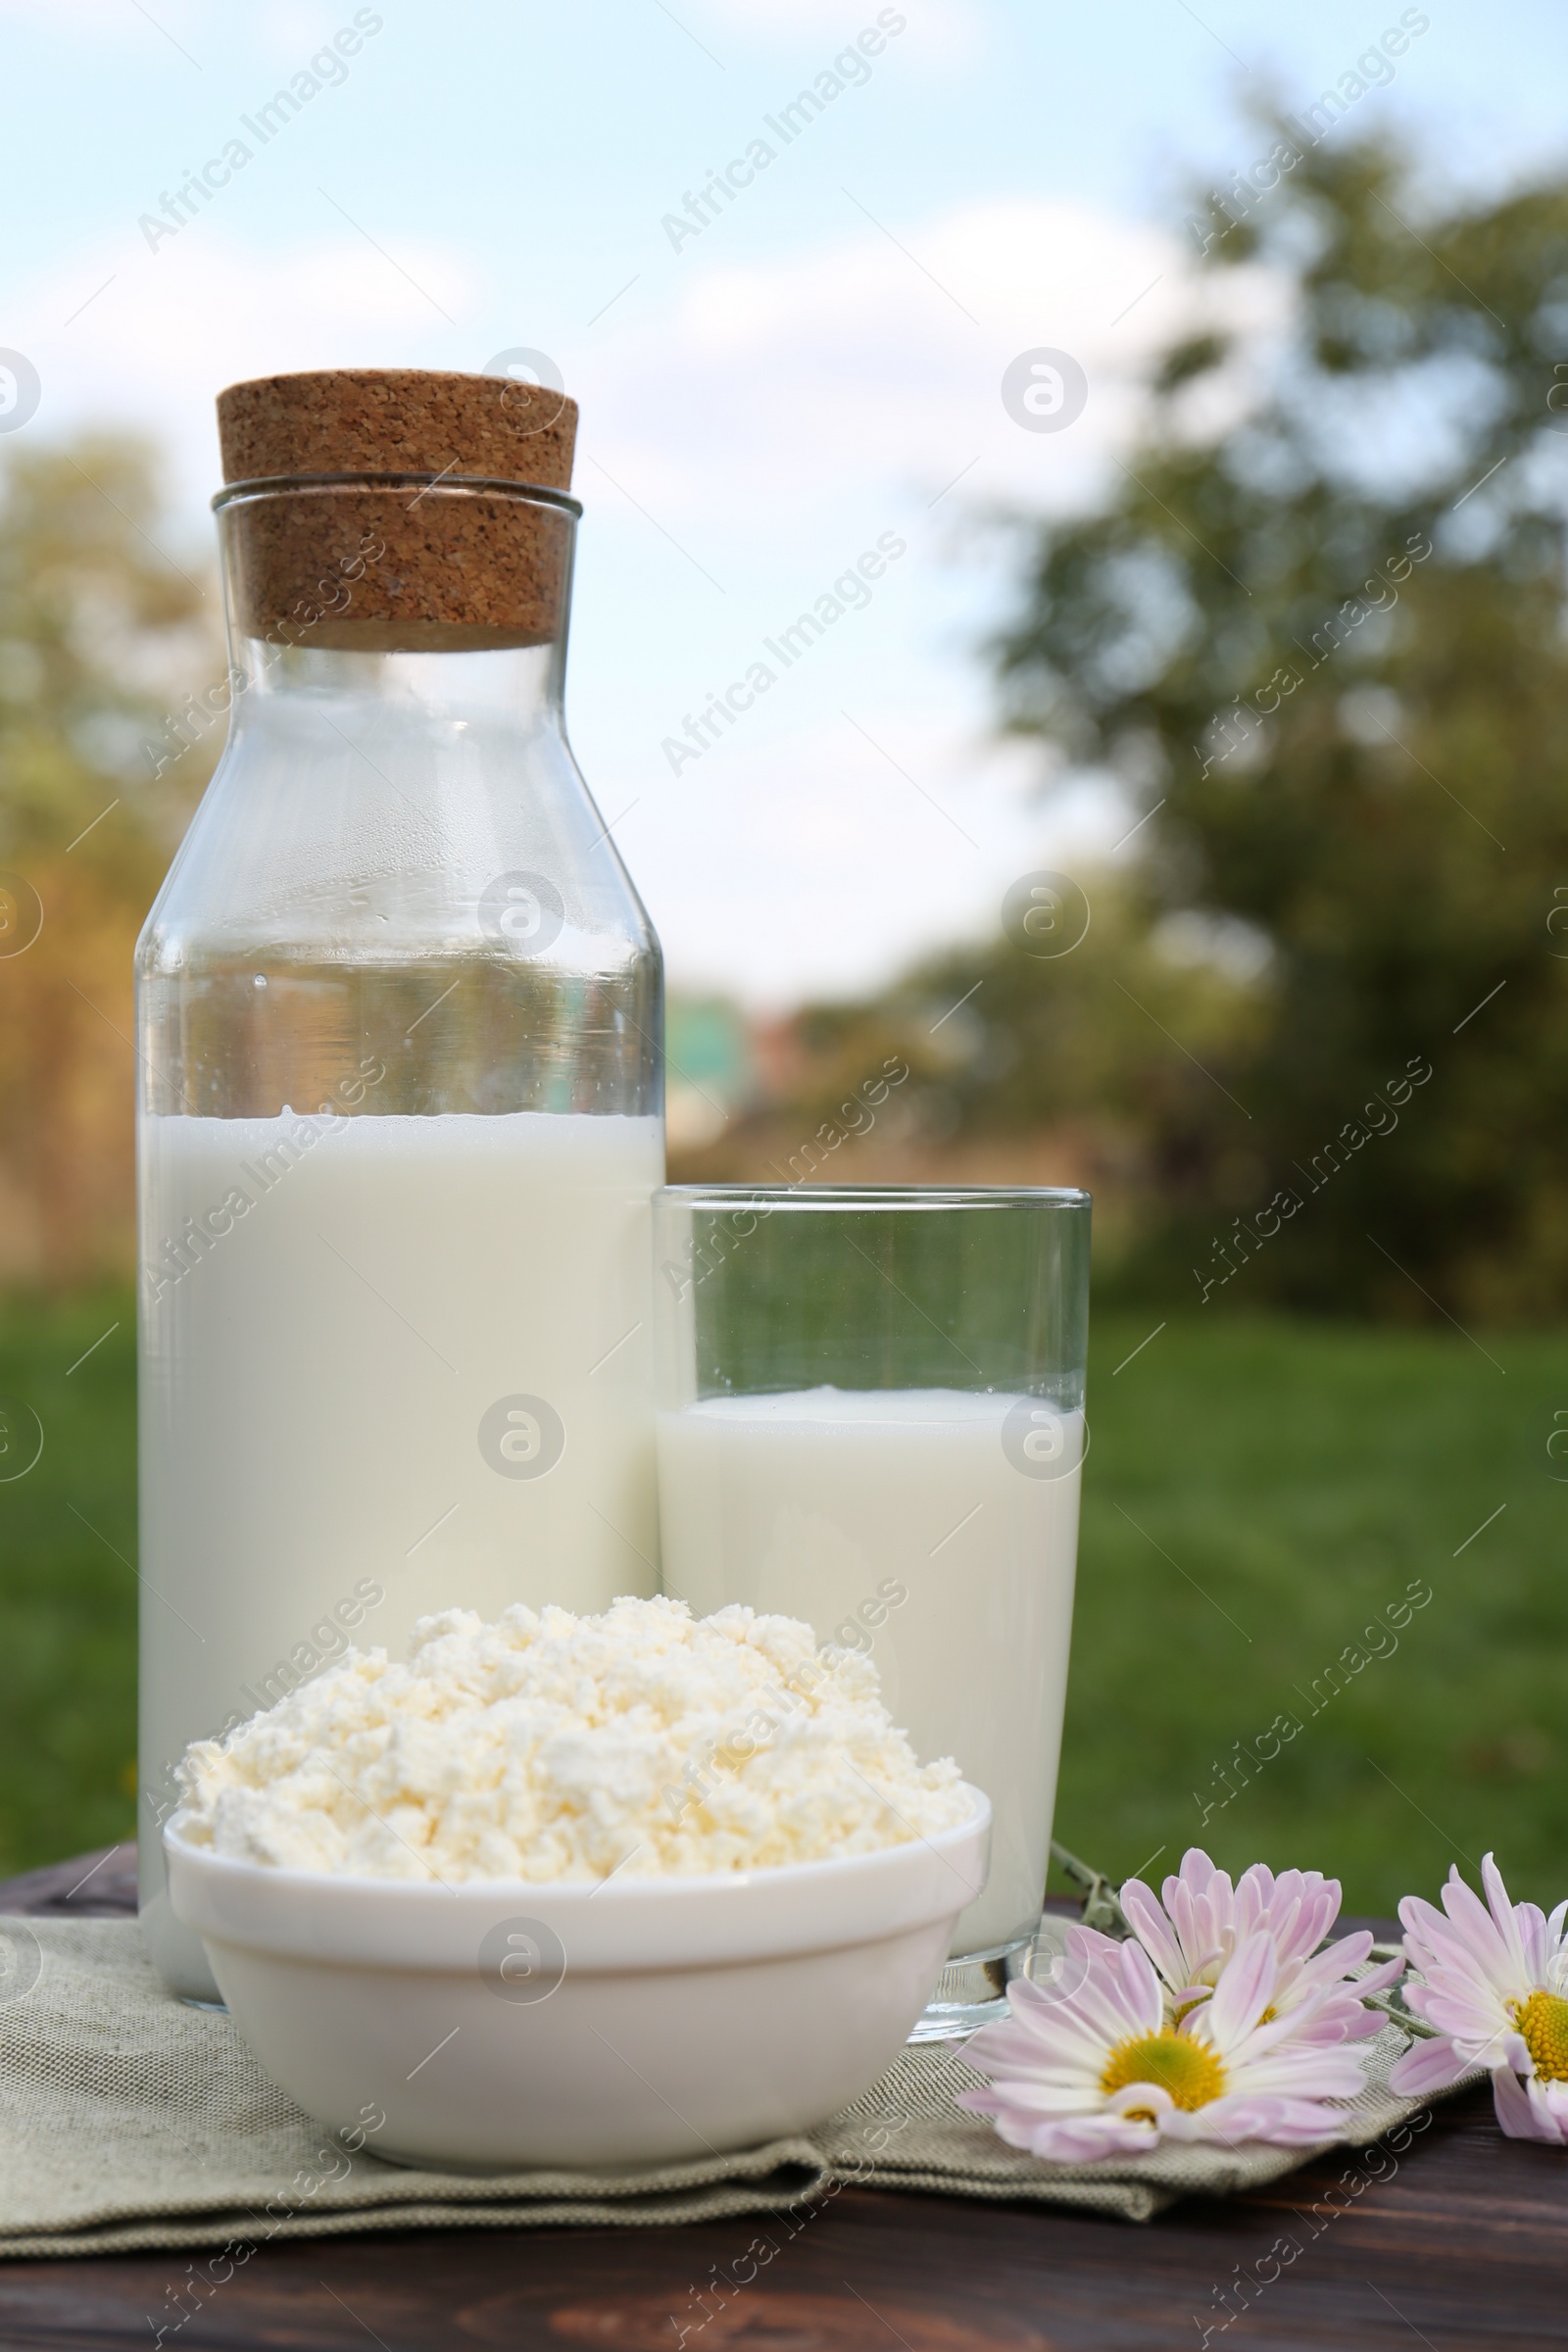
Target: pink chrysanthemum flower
(1204, 1921)
(1495, 1990)
(1105, 2071)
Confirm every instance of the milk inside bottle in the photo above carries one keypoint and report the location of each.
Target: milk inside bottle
(400, 1032)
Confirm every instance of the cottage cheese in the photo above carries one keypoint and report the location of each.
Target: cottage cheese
(548, 1746)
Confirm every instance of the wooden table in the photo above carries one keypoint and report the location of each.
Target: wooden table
(1462, 2241)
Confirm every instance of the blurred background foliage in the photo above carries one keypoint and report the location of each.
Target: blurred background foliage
(99, 630)
(1315, 636)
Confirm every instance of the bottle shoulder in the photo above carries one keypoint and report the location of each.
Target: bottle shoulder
(327, 837)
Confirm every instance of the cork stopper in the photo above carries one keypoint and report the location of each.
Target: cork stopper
(433, 565)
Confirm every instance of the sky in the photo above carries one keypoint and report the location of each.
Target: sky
(841, 357)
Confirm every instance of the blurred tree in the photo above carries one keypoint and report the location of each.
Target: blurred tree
(1044, 1056)
(101, 633)
(1319, 633)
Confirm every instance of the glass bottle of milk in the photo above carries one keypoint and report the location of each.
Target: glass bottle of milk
(400, 1023)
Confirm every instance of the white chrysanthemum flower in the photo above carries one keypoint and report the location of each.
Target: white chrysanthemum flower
(1495, 1990)
(1105, 2071)
(1194, 1933)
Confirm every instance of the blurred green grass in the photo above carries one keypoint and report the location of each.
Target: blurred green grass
(68, 1603)
(1256, 1493)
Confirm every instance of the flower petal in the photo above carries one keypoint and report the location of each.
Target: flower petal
(1197, 1871)
(1244, 1991)
(1425, 2067)
(1151, 2095)
(1292, 2070)
(1141, 1987)
(1496, 1959)
(1340, 1956)
(1504, 1917)
(1287, 2122)
(1153, 1931)
(1519, 2115)
(1089, 2138)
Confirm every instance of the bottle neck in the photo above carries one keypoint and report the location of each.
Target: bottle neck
(519, 687)
(442, 602)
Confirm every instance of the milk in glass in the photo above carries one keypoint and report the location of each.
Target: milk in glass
(934, 1528)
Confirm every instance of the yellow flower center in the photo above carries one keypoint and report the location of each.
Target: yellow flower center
(1543, 2020)
(1190, 2072)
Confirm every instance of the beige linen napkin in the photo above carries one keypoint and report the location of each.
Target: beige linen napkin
(131, 2121)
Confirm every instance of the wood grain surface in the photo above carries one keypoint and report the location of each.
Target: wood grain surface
(1463, 2239)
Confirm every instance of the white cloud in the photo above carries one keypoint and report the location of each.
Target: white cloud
(80, 16)
(294, 27)
(879, 359)
(946, 32)
(161, 333)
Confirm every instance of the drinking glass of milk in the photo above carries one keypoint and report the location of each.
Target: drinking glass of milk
(870, 1415)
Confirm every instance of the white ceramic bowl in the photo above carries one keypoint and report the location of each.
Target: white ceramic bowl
(508, 2024)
